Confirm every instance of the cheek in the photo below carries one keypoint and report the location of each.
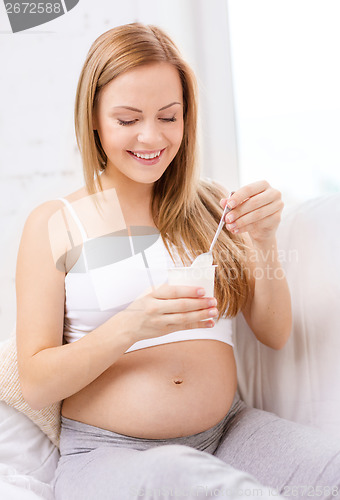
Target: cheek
(177, 135)
(113, 137)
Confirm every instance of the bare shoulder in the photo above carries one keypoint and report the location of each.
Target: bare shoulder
(35, 239)
(40, 216)
(50, 222)
(50, 206)
(42, 213)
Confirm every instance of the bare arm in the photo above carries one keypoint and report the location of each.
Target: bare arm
(59, 372)
(256, 212)
(268, 310)
(48, 370)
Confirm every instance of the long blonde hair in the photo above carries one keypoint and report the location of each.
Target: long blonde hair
(185, 208)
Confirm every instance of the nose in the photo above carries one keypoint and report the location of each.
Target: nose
(149, 133)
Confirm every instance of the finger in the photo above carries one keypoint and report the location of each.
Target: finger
(246, 192)
(271, 220)
(166, 291)
(200, 324)
(265, 198)
(181, 319)
(223, 201)
(194, 325)
(256, 215)
(185, 305)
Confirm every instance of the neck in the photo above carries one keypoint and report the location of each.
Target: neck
(128, 191)
(134, 197)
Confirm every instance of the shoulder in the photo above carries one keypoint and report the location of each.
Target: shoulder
(51, 214)
(41, 215)
(45, 232)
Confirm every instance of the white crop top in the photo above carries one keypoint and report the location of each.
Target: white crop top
(111, 272)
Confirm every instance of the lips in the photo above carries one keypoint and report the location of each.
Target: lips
(147, 157)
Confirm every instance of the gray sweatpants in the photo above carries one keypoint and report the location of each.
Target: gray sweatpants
(250, 453)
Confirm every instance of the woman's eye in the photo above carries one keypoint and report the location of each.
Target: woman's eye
(123, 122)
(173, 119)
(131, 122)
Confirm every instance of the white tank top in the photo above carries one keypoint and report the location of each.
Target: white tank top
(111, 272)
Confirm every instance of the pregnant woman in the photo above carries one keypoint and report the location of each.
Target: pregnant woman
(150, 404)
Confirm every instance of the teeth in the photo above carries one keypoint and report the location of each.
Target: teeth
(147, 156)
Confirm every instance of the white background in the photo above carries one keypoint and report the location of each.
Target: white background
(286, 75)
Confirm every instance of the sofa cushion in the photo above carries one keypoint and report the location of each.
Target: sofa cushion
(24, 447)
(301, 381)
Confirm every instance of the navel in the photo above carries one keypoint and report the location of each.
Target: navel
(177, 381)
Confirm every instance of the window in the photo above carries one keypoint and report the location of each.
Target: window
(286, 77)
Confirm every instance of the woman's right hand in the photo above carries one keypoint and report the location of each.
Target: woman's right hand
(167, 309)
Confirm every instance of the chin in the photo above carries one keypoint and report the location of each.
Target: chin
(147, 179)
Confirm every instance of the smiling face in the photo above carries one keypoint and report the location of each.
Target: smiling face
(139, 119)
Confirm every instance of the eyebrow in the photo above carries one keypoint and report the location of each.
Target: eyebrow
(140, 111)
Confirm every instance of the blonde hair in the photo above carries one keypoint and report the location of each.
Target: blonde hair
(185, 208)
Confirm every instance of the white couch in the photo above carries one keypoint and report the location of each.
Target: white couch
(300, 382)
(28, 458)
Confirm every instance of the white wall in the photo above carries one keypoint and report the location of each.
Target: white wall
(39, 73)
(286, 73)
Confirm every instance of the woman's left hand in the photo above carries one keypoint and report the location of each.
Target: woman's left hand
(256, 209)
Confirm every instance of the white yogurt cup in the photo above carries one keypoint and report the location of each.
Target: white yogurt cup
(194, 276)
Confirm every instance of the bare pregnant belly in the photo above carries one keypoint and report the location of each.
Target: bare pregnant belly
(165, 391)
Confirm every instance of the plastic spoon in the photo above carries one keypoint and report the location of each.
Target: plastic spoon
(206, 259)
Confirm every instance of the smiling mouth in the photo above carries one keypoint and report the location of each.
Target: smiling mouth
(147, 155)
